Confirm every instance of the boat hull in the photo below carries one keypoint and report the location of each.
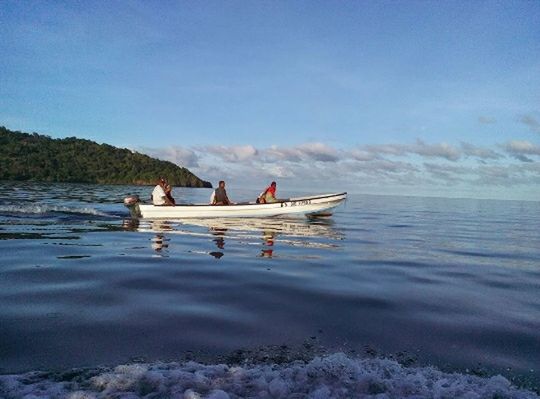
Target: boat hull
(309, 206)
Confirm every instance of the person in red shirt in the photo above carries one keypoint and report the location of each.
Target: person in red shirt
(269, 194)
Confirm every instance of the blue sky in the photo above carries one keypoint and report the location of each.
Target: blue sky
(430, 98)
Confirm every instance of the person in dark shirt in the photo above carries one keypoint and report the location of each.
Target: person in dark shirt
(168, 193)
(220, 195)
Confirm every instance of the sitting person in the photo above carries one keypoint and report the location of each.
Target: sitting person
(159, 196)
(219, 196)
(168, 193)
(268, 195)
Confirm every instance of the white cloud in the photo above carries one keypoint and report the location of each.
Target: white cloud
(278, 171)
(282, 154)
(387, 149)
(439, 150)
(483, 153)
(519, 149)
(440, 167)
(362, 155)
(531, 122)
(508, 175)
(442, 150)
(448, 173)
(233, 153)
(319, 152)
(385, 166)
(181, 156)
(304, 152)
(523, 146)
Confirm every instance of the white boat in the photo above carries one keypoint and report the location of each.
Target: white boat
(315, 205)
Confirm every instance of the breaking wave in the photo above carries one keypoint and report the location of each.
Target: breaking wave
(333, 376)
(44, 208)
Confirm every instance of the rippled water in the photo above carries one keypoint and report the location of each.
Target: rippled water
(448, 282)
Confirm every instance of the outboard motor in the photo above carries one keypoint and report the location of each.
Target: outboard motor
(132, 203)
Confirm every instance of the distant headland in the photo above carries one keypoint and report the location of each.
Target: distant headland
(35, 157)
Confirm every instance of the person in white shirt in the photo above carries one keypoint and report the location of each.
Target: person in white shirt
(159, 197)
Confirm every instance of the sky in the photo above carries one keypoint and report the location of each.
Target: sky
(427, 98)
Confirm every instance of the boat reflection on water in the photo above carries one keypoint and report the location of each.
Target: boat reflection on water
(268, 242)
(219, 240)
(159, 242)
(270, 233)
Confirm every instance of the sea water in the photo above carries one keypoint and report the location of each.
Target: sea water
(391, 296)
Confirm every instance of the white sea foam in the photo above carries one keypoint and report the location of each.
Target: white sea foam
(334, 376)
(45, 208)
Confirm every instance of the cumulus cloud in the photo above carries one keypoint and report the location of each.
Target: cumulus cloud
(408, 165)
(233, 153)
(483, 153)
(441, 150)
(447, 173)
(278, 171)
(182, 156)
(304, 152)
(363, 154)
(531, 122)
(319, 152)
(447, 169)
(386, 166)
(523, 146)
(178, 155)
(519, 149)
(282, 154)
(387, 149)
(508, 175)
(503, 175)
(438, 150)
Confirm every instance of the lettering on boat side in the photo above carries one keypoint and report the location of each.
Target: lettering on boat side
(299, 203)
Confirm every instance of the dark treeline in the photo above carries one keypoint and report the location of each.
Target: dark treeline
(37, 157)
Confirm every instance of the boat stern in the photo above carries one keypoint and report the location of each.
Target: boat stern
(132, 203)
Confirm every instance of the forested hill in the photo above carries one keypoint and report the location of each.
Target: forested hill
(36, 157)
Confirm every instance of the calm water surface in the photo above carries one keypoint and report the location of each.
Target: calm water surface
(449, 282)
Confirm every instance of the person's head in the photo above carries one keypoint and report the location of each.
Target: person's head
(273, 184)
(221, 183)
(162, 181)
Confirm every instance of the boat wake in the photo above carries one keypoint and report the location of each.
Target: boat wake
(332, 376)
(44, 209)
